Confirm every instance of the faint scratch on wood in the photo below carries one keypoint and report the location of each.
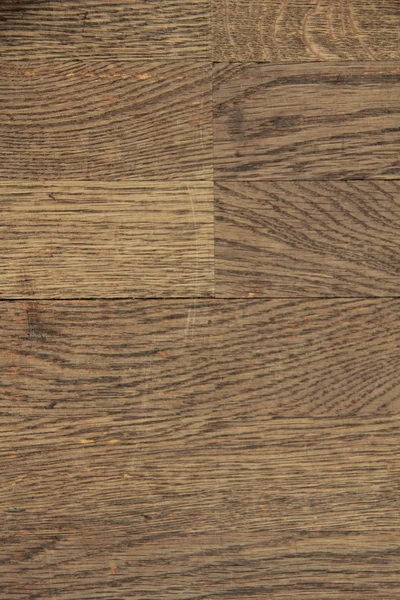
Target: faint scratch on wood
(200, 125)
(187, 328)
(190, 321)
(195, 236)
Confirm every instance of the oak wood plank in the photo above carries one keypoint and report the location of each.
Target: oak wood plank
(296, 357)
(274, 358)
(77, 239)
(105, 120)
(311, 30)
(274, 509)
(281, 239)
(165, 29)
(307, 121)
(128, 470)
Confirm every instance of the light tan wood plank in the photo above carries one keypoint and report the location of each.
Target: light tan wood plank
(280, 239)
(72, 240)
(105, 120)
(310, 30)
(313, 121)
(129, 470)
(165, 29)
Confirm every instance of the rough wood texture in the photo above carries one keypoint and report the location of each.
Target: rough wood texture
(306, 30)
(129, 472)
(310, 121)
(108, 28)
(63, 240)
(269, 358)
(182, 447)
(100, 120)
(282, 239)
(308, 358)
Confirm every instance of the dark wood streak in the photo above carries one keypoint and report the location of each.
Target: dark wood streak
(310, 30)
(314, 121)
(165, 29)
(280, 239)
(105, 120)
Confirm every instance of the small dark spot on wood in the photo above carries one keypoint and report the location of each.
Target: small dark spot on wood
(37, 329)
(14, 510)
(52, 196)
(34, 321)
(52, 404)
(236, 121)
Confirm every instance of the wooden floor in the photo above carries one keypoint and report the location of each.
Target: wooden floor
(200, 300)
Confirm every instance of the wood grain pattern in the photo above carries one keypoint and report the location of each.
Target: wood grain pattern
(63, 240)
(311, 30)
(129, 472)
(294, 357)
(105, 121)
(280, 239)
(108, 28)
(313, 121)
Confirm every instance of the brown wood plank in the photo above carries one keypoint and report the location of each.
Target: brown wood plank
(310, 121)
(310, 30)
(105, 121)
(137, 29)
(129, 471)
(275, 509)
(63, 240)
(279, 239)
(294, 357)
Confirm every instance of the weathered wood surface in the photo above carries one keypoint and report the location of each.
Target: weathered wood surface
(310, 30)
(294, 357)
(165, 29)
(310, 121)
(184, 447)
(105, 120)
(140, 457)
(74, 240)
(280, 239)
